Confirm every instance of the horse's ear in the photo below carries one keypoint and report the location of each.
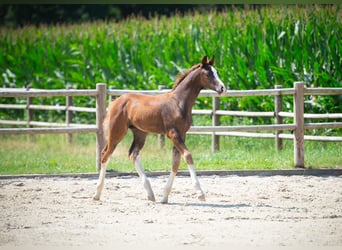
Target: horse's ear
(212, 60)
(204, 60)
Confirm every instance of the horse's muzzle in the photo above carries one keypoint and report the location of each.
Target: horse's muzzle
(222, 90)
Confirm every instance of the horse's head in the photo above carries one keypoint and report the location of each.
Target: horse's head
(210, 78)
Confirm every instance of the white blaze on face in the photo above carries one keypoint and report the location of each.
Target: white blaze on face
(218, 79)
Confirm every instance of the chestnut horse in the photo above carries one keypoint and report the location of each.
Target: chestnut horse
(169, 114)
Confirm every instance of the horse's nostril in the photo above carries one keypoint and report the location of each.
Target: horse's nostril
(222, 88)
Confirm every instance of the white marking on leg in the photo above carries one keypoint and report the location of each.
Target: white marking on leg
(100, 182)
(168, 187)
(196, 183)
(144, 179)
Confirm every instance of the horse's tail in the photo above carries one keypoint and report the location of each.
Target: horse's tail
(105, 124)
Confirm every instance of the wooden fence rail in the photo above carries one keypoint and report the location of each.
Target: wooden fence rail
(298, 126)
(68, 128)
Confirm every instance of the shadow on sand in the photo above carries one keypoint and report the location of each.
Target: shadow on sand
(204, 204)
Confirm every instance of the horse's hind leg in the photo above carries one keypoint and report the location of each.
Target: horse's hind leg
(107, 151)
(138, 143)
(117, 130)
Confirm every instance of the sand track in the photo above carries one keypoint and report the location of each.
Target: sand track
(243, 211)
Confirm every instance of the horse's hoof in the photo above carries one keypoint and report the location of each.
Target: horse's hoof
(151, 198)
(164, 201)
(201, 197)
(96, 197)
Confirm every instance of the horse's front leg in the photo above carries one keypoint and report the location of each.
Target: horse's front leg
(178, 142)
(188, 158)
(175, 165)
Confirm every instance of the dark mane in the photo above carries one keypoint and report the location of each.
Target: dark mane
(182, 75)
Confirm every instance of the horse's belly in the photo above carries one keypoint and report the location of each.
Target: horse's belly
(149, 129)
(149, 123)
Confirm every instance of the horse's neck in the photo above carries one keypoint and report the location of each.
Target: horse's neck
(187, 91)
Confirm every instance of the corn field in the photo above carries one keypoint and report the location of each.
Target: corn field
(254, 49)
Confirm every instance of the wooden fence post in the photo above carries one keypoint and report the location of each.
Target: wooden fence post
(68, 115)
(215, 139)
(161, 138)
(298, 143)
(278, 107)
(29, 111)
(100, 115)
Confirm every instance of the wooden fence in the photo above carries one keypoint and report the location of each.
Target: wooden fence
(99, 93)
(298, 126)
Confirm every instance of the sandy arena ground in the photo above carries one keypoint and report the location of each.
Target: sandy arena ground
(241, 211)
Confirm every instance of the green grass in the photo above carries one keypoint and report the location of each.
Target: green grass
(24, 154)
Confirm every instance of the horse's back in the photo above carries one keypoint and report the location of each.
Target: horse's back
(143, 112)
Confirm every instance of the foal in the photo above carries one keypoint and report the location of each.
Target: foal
(169, 114)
